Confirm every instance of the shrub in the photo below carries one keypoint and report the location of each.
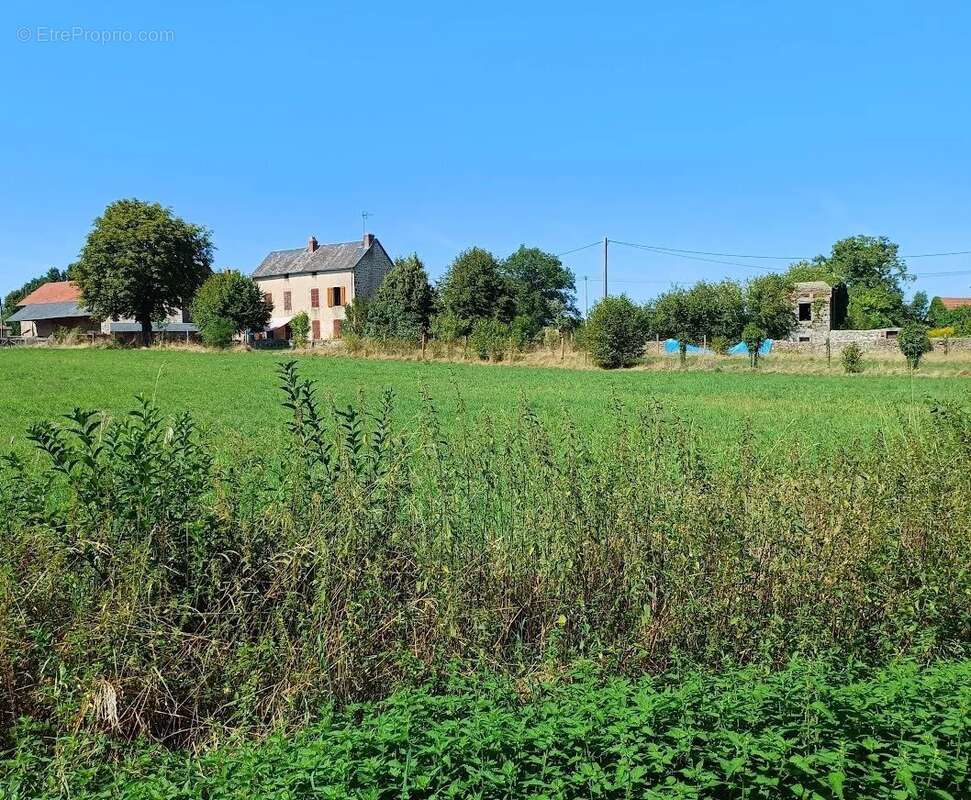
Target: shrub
(614, 333)
(490, 339)
(720, 344)
(233, 298)
(851, 357)
(941, 333)
(913, 342)
(217, 331)
(300, 327)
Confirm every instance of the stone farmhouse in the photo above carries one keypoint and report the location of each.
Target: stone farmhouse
(321, 280)
(57, 306)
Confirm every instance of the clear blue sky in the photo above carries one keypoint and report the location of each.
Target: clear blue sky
(732, 127)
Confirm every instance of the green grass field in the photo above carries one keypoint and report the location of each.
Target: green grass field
(235, 394)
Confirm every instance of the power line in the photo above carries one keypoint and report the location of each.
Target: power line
(708, 253)
(578, 249)
(660, 251)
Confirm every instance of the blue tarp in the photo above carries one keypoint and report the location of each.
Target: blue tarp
(671, 348)
(741, 350)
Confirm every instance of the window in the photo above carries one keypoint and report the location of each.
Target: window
(337, 329)
(287, 304)
(268, 299)
(315, 300)
(335, 296)
(803, 338)
(315, 328)
(891, 334)
(805, 312)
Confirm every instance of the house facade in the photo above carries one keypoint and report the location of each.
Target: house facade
(321, 280)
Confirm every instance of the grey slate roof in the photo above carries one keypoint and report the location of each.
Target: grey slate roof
(157, 327)
(38, 311)
(339, 257)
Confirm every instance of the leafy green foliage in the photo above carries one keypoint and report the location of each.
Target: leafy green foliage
(914, 342)
(542, 289)
(957, 318)
(851, 357)
(300, 328)
(614, 333)
(808, 731)
(474, 289)
(217, 332)
(769, 306)
(141, 261)
(490, 339)
(229, 300)
(754, 337)
(403, 305)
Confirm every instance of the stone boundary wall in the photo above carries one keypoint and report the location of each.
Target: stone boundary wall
(869, 341)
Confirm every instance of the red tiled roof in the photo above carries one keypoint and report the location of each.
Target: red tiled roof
(53, 292)
(950, 303)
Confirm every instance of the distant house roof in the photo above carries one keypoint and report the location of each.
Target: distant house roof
(36, 311)
(340, 257)
(53, 292)
(950, 303)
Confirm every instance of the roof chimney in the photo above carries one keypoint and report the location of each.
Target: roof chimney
(311, 244)
(368, 239)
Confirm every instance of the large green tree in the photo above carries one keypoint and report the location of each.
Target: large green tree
(614, 333)
(542, 290)
(474, 289)
(12, 299)
(230, 301)
(769, 306)
(402, 306)
(142, 261)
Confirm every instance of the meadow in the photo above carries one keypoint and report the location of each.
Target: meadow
(494, 581)
(234, 395)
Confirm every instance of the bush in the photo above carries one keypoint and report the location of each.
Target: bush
(614, 333)
(490, 339)
(217, 331)
(720, 344)
(300, 328)
(150, 589)
(913, 342)
(851, 357)
(941, 333)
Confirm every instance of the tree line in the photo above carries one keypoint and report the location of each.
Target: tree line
(141, 261)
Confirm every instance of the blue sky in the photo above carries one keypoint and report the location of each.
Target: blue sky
(752, 128)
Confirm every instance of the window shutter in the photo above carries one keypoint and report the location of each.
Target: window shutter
(330, 298)
(315, 298)
(316, 328)
(287, 301)
(268, 299)
(337, 329)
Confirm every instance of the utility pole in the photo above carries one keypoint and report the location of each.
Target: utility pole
(605, 266)
(364, 216)
(586, 298)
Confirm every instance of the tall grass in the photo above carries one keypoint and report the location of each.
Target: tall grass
(147, 590)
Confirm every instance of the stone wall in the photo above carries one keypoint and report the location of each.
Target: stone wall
(869, 341)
